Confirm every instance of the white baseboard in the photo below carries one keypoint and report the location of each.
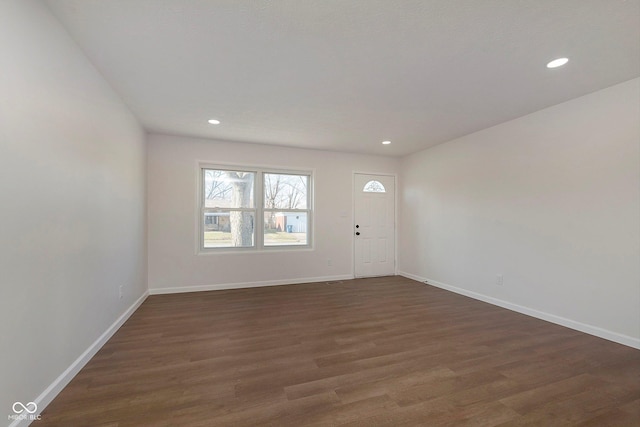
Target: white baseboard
(411, 276)
(65, 378)
(219, 287)
(558, 320)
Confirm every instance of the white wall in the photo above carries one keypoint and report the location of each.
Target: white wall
(550, 200)
(172, 173)
(72, 178)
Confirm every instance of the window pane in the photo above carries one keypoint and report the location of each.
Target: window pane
(285, 191)
(374, 187)
(231, 229)
(228, 189)
(285, 228)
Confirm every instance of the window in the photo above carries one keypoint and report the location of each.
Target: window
(374, 187)
(286, 213)
(229, 209)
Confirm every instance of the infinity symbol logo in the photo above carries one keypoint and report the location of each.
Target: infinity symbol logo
(19, 407)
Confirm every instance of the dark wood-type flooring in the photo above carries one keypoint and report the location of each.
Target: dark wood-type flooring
(371, 352)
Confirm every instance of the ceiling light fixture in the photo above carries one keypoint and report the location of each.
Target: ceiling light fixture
(214, 122)
(386, 142)
(557, 62)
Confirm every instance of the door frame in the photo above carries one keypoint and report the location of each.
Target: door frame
(353, 217)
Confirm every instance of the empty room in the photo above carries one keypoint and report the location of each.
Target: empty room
(319, 213)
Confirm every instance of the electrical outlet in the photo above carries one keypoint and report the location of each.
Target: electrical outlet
(120, 291)
(499, 280)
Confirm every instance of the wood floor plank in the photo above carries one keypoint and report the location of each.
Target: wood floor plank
(367, 352)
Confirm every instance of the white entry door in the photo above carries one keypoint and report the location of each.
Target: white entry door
(374, 226)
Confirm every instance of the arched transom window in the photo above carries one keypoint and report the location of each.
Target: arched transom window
(374, 187)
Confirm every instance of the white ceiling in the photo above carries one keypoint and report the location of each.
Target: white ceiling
(348, 74)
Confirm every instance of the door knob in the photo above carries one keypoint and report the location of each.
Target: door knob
(357, 233)
(357, 226)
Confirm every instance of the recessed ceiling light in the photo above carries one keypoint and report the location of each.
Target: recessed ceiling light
(557, 62)
(214, 121)
(386, 142)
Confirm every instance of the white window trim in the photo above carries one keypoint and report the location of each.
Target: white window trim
(259, 209)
